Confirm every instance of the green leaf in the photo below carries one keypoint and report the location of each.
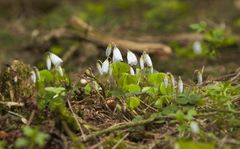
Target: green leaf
(132, 88)
(46, 75)
(119, 68)
(127, 79)
(194, 145)
(152, 91)
(87, 89)
(41, 139)
(156, 79)
(28, 131)
(133, 102)
(191, 113)
(199, 27)
(180, 116)
(21, 142)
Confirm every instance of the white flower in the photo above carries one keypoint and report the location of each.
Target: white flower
(141, 61)
(132, 59)
(132, 72)
(180, 85)
(172, 80)
(83, 81)
(194, 127)
(48, 62)
(57, 61)
(199, 78)
(109, 50)
(197, 48)
(147, 59)
(33, 77)
(165, 81)
(105, 66)
(99, 67)
(60, 70)
(117, 56)
(37, 72)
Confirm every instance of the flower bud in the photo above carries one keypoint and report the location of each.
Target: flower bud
(48, 63)
(132, 59)
(117, 56)
(57, 61)
(180, 85)
(60, 70)
(33, 77)
(147, 59)
(141, 61)
(132, 72)
(109, 50)
(165, 81)
(197, 48)
(99, 67)
(105, 67)
(194, 127)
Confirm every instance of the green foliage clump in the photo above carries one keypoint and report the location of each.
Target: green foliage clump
(32, 138)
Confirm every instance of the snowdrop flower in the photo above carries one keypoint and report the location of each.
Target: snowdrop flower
(197, 48)
(37, 72)
(172, 80)
(147, 59)
(132, 59)
(132, 72)
(109, 50)
(199, 78)
(99, 67)
(60, 70)
(55, 59)
(83, 81)
(48, 62)
(180, 85)
(117, 56)
(194, 127)
(105, 66)
(33, 77)
(141, 61)
(165, 81)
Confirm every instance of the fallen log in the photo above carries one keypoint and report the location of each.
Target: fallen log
(86, 32)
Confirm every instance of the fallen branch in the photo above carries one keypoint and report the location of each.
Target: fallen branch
(124, 126)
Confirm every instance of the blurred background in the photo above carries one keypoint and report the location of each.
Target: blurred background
(199, 32)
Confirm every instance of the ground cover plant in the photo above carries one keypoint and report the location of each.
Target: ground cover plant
(122, 102)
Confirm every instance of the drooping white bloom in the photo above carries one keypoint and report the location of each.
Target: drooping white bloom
(60, 70)
(57, 61)
(165, 81)
(132, 72)
(37, 72)
(197, 48)
(172, 80)
(117, 56)
(33, 77)
(180, 85)
(83, 81)
(109, 50)
(99, 67)
(141, 61)
(48, 62)
(147, 59)
(131, 57)
(199, 78)
(105, 66)
(194, 127)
